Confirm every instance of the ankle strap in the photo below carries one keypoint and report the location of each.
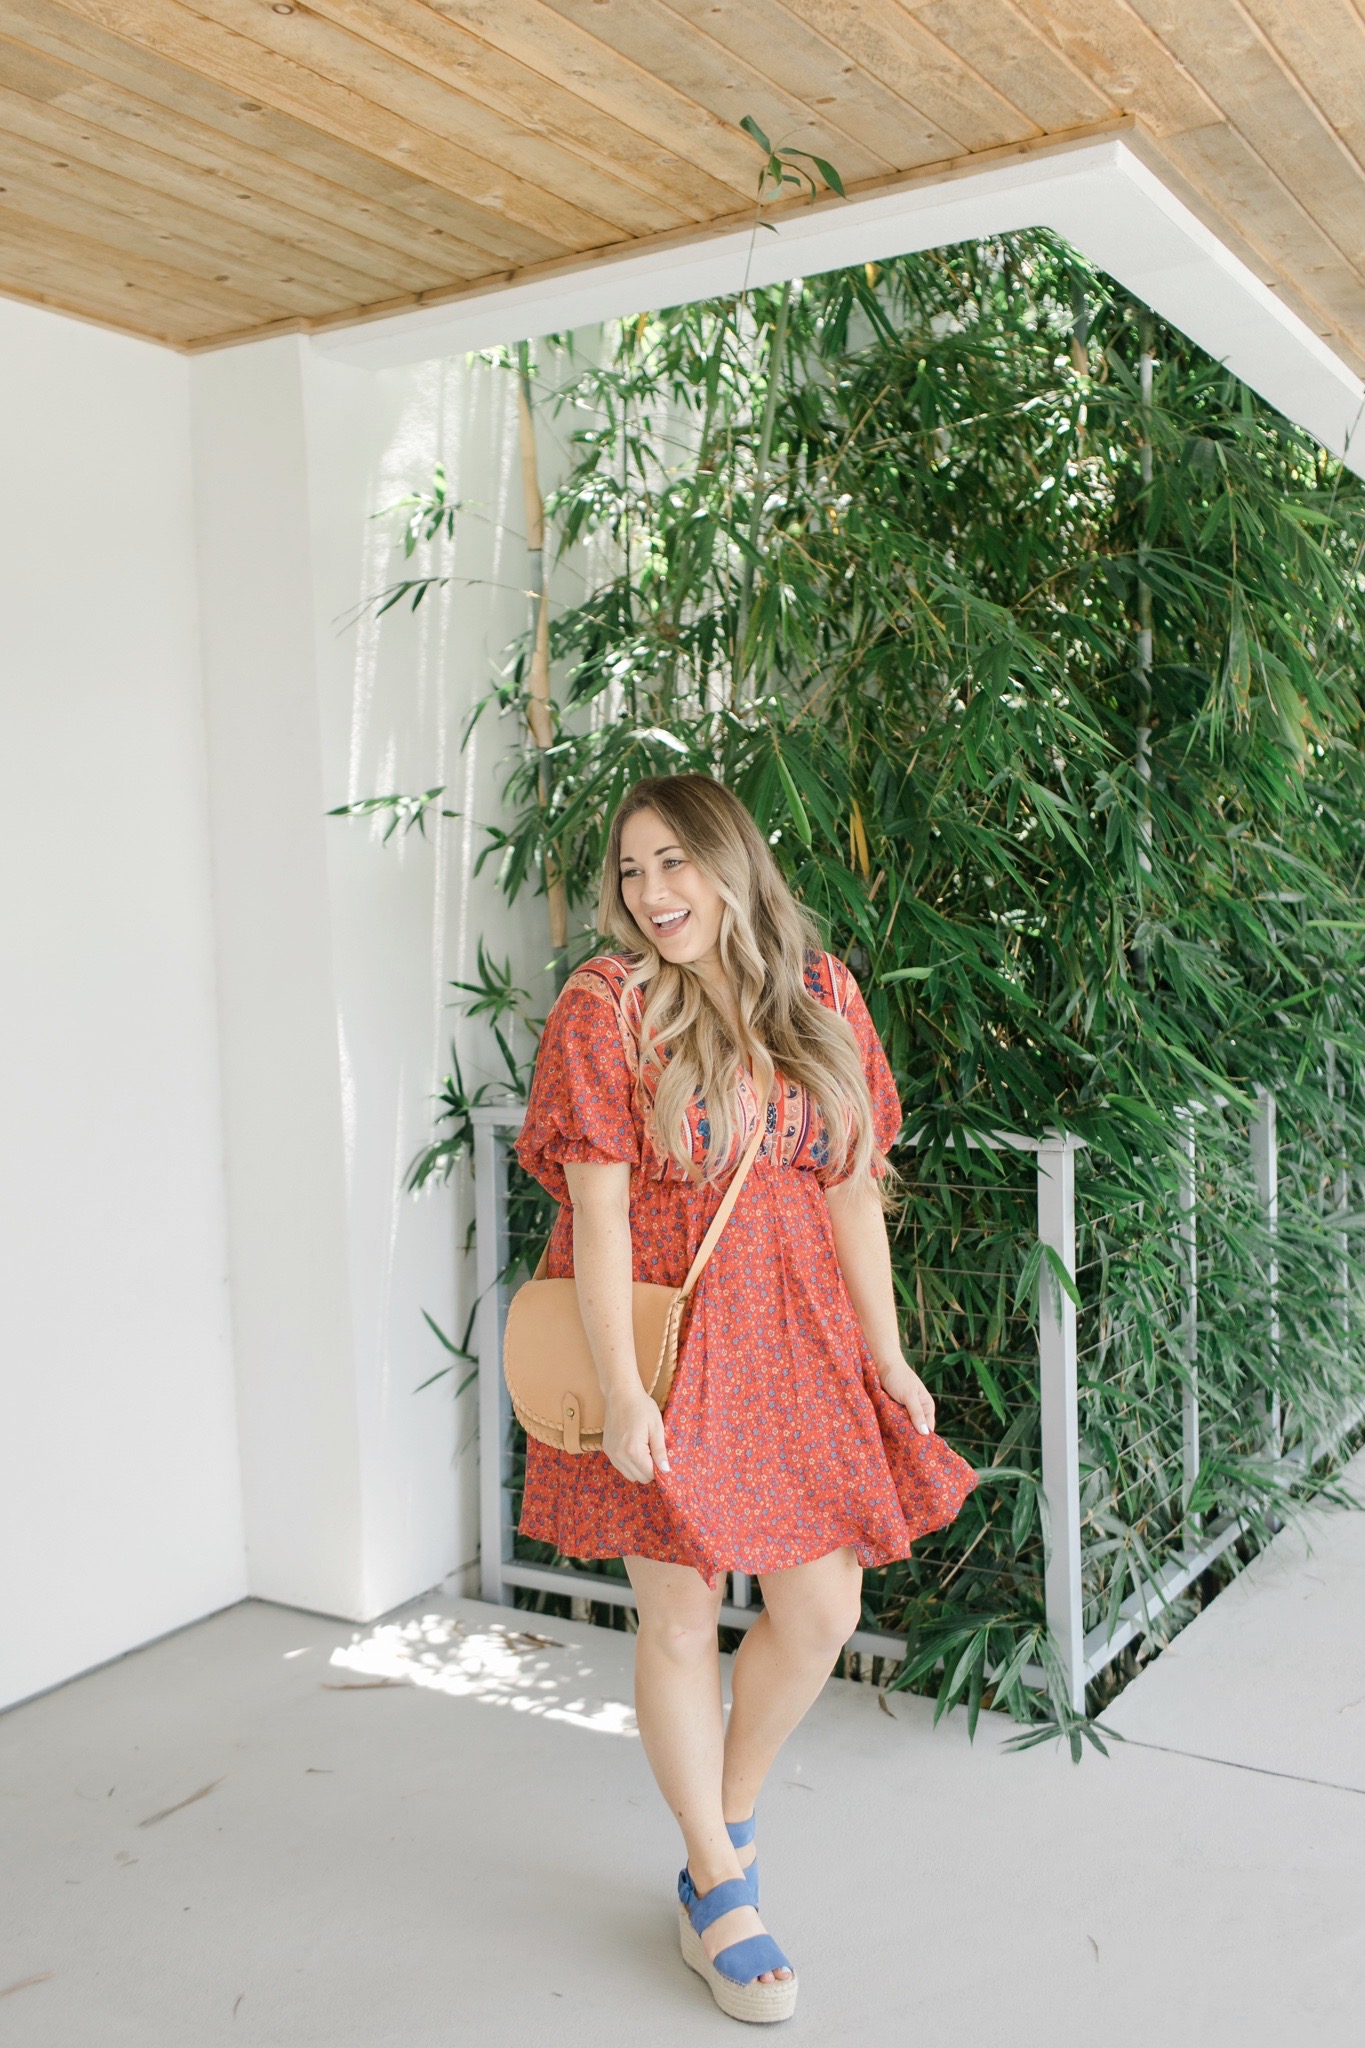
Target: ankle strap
(704, 1907)
(741, 1832)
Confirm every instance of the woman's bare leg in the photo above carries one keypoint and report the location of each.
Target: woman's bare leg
(678, 1707)
(809, 1613)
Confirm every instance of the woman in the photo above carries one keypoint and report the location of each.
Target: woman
(797, 1443)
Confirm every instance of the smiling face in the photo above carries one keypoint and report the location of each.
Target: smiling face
(677, 907)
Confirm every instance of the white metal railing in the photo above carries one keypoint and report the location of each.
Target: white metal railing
(1082, 1655)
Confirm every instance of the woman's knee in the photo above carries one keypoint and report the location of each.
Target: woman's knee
(676, 1617)
(821, 1613)
(828, 1622)
(685, 1635)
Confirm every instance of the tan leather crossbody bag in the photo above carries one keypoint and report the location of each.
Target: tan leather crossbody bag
(546, 1358)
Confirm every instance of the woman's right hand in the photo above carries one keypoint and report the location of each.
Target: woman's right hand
(633, 1436)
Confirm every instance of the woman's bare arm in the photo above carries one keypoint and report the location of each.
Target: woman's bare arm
(633, 1436)
(864, 1255)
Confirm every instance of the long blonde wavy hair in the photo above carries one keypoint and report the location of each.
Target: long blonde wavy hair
(765, 936)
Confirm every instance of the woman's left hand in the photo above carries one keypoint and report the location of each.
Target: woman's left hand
(909, 1389)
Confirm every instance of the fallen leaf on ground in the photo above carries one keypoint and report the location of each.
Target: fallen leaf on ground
(202, 1793)
(43, 1977)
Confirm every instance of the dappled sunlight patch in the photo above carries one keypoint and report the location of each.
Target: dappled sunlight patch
(503, 1667)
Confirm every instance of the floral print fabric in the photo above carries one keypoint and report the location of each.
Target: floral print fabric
(782, 1444)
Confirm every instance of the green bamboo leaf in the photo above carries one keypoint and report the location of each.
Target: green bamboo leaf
(1025, 1509)
(1057, 1269)
(990, 1387)
(1012, 1670)
(794, 803)
(441, 1336)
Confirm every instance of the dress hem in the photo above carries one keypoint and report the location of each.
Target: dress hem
(871, 1556)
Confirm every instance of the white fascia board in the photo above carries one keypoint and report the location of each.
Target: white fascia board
(1097, 193)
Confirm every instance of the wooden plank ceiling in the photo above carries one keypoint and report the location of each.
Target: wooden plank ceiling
(201, 171)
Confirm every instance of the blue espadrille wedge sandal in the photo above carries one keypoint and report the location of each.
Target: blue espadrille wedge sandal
(741, 1833)
(733, 1975)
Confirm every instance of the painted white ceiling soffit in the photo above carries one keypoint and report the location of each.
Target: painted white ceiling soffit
(1097, 192)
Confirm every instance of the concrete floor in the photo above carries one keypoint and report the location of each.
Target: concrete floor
(277, 1829)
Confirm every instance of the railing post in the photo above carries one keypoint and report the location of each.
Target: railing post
(490, 1242)
(1189, 1246)
(1265, 1159)
(1060, 1413)
(1341, 1195)
(1340, 1188)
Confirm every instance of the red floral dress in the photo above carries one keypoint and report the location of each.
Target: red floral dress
(782, 1445)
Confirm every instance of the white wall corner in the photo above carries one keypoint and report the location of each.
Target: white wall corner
(406, 918)
(384, 724)
(287, 1224)
(336, 953)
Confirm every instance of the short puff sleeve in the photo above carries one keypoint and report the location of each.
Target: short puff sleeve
(887, 1114)
(581, 1103)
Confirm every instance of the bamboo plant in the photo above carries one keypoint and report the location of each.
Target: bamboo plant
(1034, 641)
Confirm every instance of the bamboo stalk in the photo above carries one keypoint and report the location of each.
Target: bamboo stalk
(1143, 738)
(776, 351)
(538, 717)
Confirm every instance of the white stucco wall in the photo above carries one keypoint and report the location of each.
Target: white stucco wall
(120, 1510)
(396, 696)
(226, 1014)
(335, 953)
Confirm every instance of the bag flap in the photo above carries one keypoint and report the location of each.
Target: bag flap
(545, 1351)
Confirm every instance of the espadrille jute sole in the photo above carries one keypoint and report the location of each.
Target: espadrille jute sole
(755, 2002)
